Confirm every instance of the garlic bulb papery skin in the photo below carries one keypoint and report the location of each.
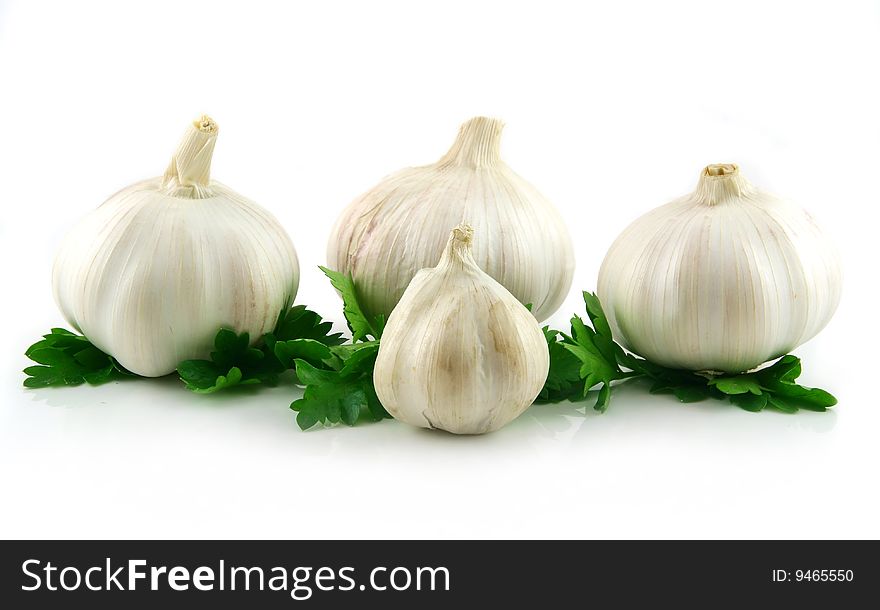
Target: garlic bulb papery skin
(723, 279)
(400, 226)
(152, 274)
(459, 352)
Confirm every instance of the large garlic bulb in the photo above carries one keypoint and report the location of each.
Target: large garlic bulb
(151, 275)
(400, 226)
(459, 353)
(723, 279)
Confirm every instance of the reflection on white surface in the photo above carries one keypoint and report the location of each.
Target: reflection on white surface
(147, 458)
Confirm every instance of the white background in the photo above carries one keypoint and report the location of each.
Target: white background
(611, 109)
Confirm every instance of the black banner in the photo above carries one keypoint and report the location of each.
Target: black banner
(426, 574)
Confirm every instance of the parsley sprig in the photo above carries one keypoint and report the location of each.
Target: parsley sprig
(603, 361)
(299, 333)
(359, 323)
(342, 391)
(66, 358)
(341, 387)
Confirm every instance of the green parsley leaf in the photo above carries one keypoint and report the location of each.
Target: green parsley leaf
(563, 379)
(203, 377)
(739, 384)
(749, 401)
(298, 333)
(779, 381)
(773, 386)
(309, 350)
(200, 375)
(233, 349)
(66, 358)
(693, 393)
(359, 324)
(342, 394)
(596, 350)
(297, 322)
(602, 336)
(233, 363)
(780, 403)
(360, 361)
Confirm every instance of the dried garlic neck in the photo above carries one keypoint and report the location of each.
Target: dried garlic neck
(721, 183)
(478, 144)
(189, 173)
(458, 248)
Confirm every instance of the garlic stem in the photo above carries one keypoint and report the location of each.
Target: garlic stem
(478, 144)
(189, 172)
(721, 183)
(458, 248)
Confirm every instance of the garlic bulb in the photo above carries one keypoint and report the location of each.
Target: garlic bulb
(723, 279)
(152, 274)
(400, 226)
(459, 352)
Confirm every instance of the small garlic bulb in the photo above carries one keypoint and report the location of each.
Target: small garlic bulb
(152, 274)
(459, 353)
(723, 279)
(400, 226)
